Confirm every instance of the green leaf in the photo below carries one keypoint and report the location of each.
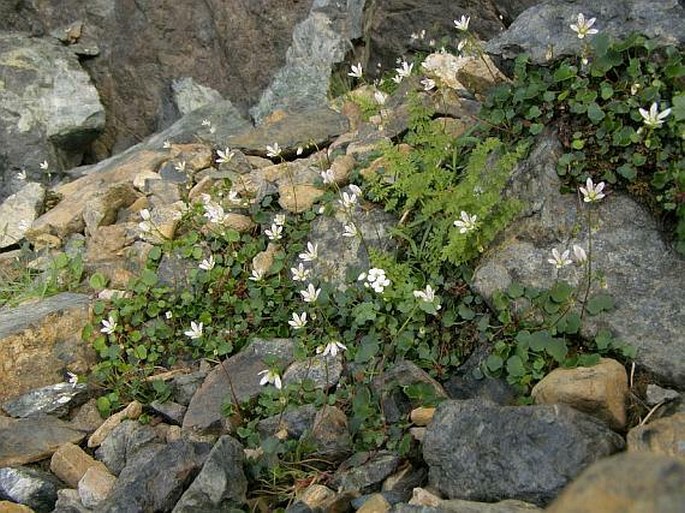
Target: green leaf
(368, 348)
(603, 340)
(564, 72)
(560, 292)
(540, 340)
(678, 108)
(364, 312)
(595, 113)
(155, 253)
(627, 171)
(599, 303)
(557, 349)
(465, 312)
(536, 128)
(494, 363)
(141, 352)
(533, 112)
(149, 277)
(515, 366)
(515, 290)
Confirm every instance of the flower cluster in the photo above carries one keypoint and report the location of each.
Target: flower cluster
(213, 211)
(467, 223)
(428, 296)
(560, 260)
(375, 279)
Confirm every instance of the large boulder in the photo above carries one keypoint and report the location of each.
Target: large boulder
(478, 451)
(49, 110)
(627, 248)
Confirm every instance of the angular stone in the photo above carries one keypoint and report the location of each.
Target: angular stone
(144, 488)
(12, 507)
(422, 416)
(102, 209)
(18, 212)
(70, 463)
(124, 443)
(330, 435)
(31, 487)
(662, 436)
(132, 411)
(33, 439)
(323, 371)
(601, 391)
(221, 484)
(40, 340)
(87, 417)
(375, 504)
(69, 501)
(298, 198)
(630, 482)
(479, 451)
(53, 399)
(364, 472)
(95, 485)
(190, 95)
(170, 410)
(295, 422)
(657, 394)
(238, 375)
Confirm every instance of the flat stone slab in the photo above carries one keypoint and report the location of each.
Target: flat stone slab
(33, 439)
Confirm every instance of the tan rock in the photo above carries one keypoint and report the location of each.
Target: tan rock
(422, 416)
(601, 391)
(630, 482)
(342, 168)
(67, 216)
(453, 127)
(70, 463)
(95, 486)
(87, 417)
(479, 74)
(375, 504)
(422, 497)
(132, 411)
(663, 436)
(12, 507)
(316, 495)
(102, 209)
(298, 198)
(37, 341)
(265, 259)
(238, 222)
(196, 156)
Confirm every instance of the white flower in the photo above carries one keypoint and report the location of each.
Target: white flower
(275, 233)
(311, 254)
(257, 274)
(635, 88)
(428, 84)
(332, 348)
(376, 279)
(380, 97)
(582, 26)
(467, 223)
(273, 151)
(279, 220)
(108, 325)
(166, 144)
(224, 156)
(356, 71)
(195, 330)
(21, 175)
(462, 23)
(181, 166)
(328, 176)
(72, 379)
(579, 253)
(654, 118)
(298, 321)
(300, 273)
(404, 70)
(311, 294)
(560, 260)
(356, 189)
(350, 230)
(270, 377)
(348, 201)
(206, 122)
(207, 264)
(299, 151)
(168, 314)
(591, 192)
(427, 295)
(44, 165)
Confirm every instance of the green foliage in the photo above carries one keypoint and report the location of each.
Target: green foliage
(595, 107)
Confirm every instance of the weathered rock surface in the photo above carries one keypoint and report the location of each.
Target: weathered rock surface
(601, 391)
(49, 110)
(221, 484)
(483, 452)
(12, 507)
(364, 472)
(70, 463)
(34, 488)
(132, 411)
(33, 439)
(18, 212)
(238, 375)
(40, 340)
(548, 22)
(123, 443)
(95, 485)
(53, 399)
(631, 255)
(155, 484)
(626, 483)
(663, 436)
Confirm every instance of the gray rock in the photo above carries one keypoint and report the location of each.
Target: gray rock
(171, 411)
(49, 110)
(330, 435)
(69, 501)
(34, 488)
(460, 506)
(123, 443)
(53, 399)
(33, 439)
(317, 43)
(18, 212)
(656, 395)
(221, 484)
(547, 25)
(184, 387)
(483, 452)
(323, 371)
(157, 483)
(189, 95)
(235, 378)
(364, 472)
(627, 249)
(295, 421)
